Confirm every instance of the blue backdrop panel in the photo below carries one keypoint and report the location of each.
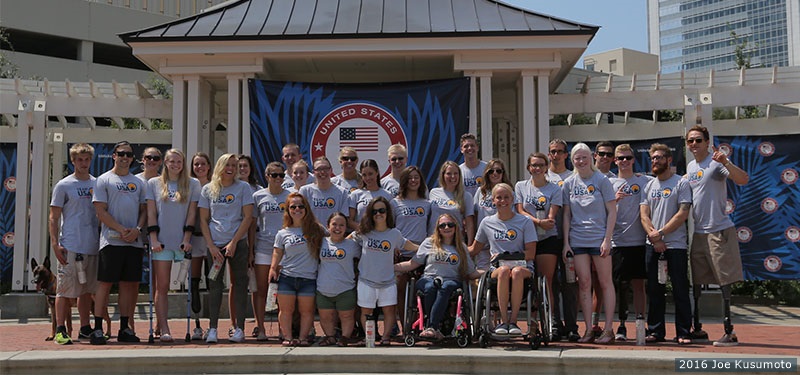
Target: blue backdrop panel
(8, 196)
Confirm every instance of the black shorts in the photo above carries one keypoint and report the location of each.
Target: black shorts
(628, 263)
(551, 245)
(120, 263)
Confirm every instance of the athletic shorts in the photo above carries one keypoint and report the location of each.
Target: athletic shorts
(344, 301)
(168, 255)
(199, 246)
(715, 258)
(550, 245)
(262, 259)
(628, 263)
(369, 297)
(67, 274)
(297, 286)
(120, 263)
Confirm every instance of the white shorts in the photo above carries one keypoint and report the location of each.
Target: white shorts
(263, 259)
(368, 296)
(199, 247)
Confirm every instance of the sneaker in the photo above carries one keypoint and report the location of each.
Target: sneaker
(513, 329)
(62, 338)
(428, 333)
(197, 334)
(85, 332)
(97, 338)
(126, 335)
(237, 336)
(211, 336)
(728, 339)
(555, 334)
(230, 331)
(438, 335)
(573, 336)
(699, 335)
(622, 334)
(501, 329)
(166, 338)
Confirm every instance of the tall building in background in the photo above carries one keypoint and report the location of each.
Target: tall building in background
(695, 35)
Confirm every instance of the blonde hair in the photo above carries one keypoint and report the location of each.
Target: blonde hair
(80, 148)
(622, 148)
(577, 148)
(215, 185)
(458, 243)
(458, 192)
(183, 178)
(396, 149)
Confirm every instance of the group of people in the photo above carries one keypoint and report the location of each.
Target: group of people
(341, 245)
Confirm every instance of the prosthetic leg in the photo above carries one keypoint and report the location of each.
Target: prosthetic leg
(622, 296)
(697, 332)
(729, 338)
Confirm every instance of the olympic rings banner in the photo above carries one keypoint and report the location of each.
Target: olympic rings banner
(8, 196)
(428, 117)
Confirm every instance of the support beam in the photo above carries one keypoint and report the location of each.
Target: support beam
(198, 119)
(473, 105)
(528, 129)
(234, 118)
(245, 116)
(543, 110)
(19, 269)
(486, 114)
(179, 120)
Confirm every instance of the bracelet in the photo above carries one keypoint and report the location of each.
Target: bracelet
(153, 228)
(188, 228)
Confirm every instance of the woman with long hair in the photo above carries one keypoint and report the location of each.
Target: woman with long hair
(201, 170)
(450, 198)
(379, 242)
(270, 205)
(445, 257)
(336, 283)
(151, 163)
(369, 189)
(226, 211)
(493, 174)
(246, 174)
(590, 212)
(295, 260)
(171, 199)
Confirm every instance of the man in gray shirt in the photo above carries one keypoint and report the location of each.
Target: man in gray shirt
(603, 156)
(715, 247)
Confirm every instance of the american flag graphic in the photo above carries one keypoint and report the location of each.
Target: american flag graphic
(361, 139)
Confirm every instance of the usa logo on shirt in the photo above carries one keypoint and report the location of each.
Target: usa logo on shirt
(333, 253)
(380, 245)
(129, 187)
(323, 202)
(507, 235)
(84, 192)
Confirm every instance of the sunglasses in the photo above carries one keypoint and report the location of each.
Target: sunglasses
(447, 225)
(152, 157)
(393, 160)
(126, 154)
(496, 170)
(555, 152)
(626, 157)
(276, 175)
(658, 157)
(297, 207)
(604, 154)
(348, 158)
(379, 211)
(694, 140)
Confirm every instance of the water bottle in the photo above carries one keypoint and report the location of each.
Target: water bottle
(570, 267)
(216, 267)
(252, 282)
(185, 264)
(640, 330)
(662, 269)
(81, 268)
(369, 332)
(272, 297)
(540, 215)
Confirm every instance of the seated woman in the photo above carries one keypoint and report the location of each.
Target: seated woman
(507, 231)
(445, 257)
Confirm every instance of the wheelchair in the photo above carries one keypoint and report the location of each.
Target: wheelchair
(535, 300)
(456, 325)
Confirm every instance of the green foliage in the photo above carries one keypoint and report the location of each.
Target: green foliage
(723, 114)
(162, 89)
(784, 291)
(577, 119)
(558, 120)
(669, 115)
(7, 68)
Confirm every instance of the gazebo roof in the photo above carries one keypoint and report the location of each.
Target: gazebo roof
(340, 19)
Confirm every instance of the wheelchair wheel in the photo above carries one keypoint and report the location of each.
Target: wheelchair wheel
(410, 340)
(545, 311)
(479, 320)
(410, 313)
(483, 341)
(463, 339)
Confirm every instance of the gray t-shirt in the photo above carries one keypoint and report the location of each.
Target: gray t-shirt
(628, 230)
(558, 179)
(587, 202)
(708, 180)
(297, 261)
(391, 185)
(484, 205)
(325, 202)
(124, 195)
(534, 198)
(226, 210)
(443, 201)
(348, 185)
(337, 272)
(269, 209)
(411, 219)
(172, 213)
(506, 235)
(442, 264)
(664, 199)
(79, 222)
(473, 177)
(376, 268)
(360, 199)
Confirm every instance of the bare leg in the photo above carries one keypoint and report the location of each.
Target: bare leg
(518, 276)
(503, 276)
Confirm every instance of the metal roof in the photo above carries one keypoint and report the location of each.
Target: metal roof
(336, 19)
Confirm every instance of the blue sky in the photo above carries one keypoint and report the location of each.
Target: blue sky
(623, 23)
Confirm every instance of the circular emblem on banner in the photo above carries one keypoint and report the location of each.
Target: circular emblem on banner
(725, 149)
(8, 239)
(792, 233)
(729, 206)
(772, 263)
(744, 234)
(789, 176)
(769, 205)
(10, 184)
(766, 149)
(366, 127)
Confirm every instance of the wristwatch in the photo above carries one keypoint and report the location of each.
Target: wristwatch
(139, 229)
(661, 232)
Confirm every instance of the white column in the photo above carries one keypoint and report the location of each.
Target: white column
(245, 116)
(178, 112)
(197, 113)
(40, 188)
(543, 110)
(486, 114)
(473, 105)
(234, 119)
(528, 134)
(20, 263)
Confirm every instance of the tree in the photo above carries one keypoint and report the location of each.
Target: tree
(742, 55)
(7, 68)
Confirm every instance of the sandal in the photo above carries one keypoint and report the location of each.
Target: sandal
(428, 333)
(587, 338)
(327, 341)
(343, 342)
(607, 337)
(255, 332)
(286, 343)
(303, 343)
(385, 342)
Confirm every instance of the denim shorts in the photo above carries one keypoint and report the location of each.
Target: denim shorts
(168, 255)
(586, 250)
(297, 286)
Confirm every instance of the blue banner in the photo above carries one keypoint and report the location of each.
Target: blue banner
(8, 196)
(427, 117)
